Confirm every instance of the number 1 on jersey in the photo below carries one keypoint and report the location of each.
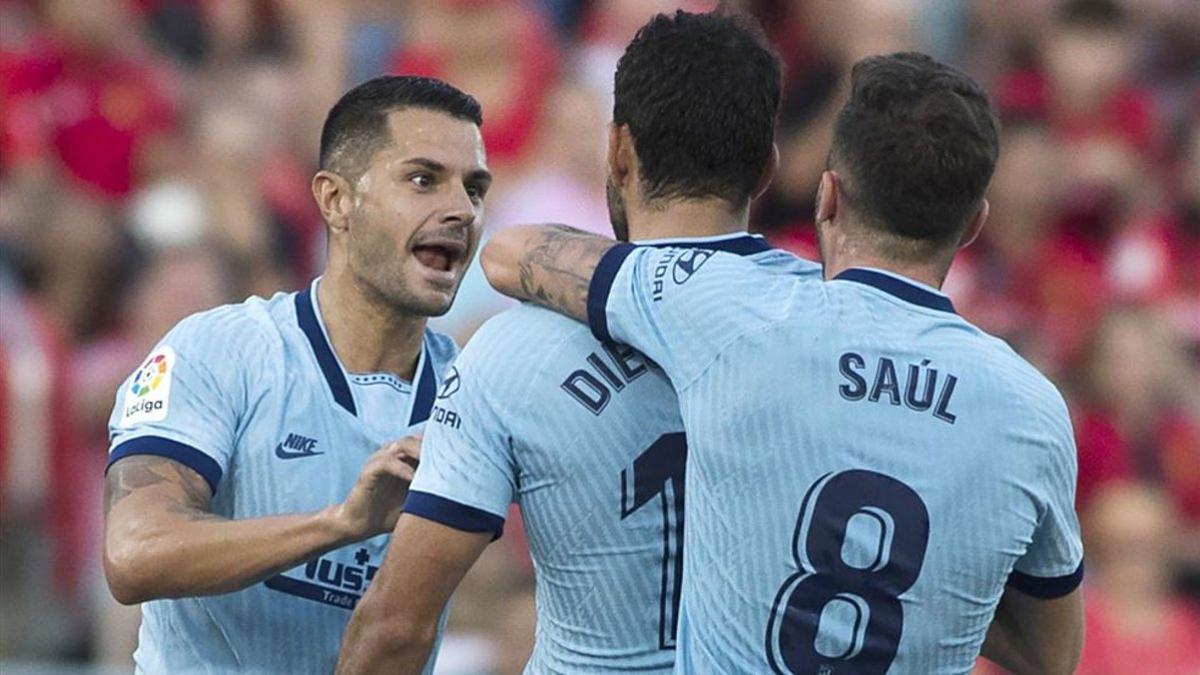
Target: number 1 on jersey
(859, 544)
(660, 471)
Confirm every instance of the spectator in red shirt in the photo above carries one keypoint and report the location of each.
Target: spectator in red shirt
(1137, 416)
(1134, 624)
(85, 89)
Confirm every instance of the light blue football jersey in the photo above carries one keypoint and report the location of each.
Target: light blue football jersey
(586, 437)
(254, 399)
(866, 469)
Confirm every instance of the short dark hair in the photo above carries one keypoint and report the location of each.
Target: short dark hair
(916, 145)
(699, 93)
(357, 124)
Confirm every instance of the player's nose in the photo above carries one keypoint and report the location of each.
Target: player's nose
(459, 209)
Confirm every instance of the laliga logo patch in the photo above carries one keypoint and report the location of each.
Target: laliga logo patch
(149, 389)
(687, 264)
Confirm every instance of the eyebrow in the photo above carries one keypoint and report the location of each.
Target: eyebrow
(437, 167)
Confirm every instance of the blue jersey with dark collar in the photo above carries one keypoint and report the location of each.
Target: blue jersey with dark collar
(866, 470)
(254, 399)
(586, 437)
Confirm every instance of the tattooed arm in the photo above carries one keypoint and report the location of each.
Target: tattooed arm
(161, 540)
(551, 265)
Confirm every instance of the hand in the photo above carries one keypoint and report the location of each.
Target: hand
(373, 505)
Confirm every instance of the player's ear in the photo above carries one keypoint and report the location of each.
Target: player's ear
(334, 198)
(827, 196)
(976, 225)
(622, 157)
(768, 173)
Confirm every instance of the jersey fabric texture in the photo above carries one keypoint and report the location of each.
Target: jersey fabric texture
(254, 399)
(586, 437)
(866, 470)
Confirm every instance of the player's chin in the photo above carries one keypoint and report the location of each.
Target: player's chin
(432, 299)
(433, 289)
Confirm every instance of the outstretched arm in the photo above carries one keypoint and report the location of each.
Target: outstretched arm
(551, 265)
(161, 540)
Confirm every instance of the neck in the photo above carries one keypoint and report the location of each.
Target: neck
(841, 253)
(367, 334)
(687, 218)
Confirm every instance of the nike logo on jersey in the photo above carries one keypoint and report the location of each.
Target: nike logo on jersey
(297, 446)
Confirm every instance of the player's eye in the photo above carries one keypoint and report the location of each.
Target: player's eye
(476, 192)
(423, 181)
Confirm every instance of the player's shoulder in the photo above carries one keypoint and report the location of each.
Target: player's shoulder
(516, 343)
(232, 330)
(528, 331)
(778, 260)
(1023, 384)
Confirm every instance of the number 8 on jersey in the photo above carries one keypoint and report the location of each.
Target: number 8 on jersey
(860, 542)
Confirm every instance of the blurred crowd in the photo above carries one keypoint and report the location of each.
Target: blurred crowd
(155, 157)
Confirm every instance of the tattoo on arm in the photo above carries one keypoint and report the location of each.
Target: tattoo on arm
(186, 491)
(556, 268)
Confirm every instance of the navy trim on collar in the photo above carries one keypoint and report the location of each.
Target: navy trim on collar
(901, 289)
(601, 285)
(744, 245)
(425, 391)
(306, 316)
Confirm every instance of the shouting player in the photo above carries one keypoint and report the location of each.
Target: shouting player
(873, 483)
(244, 504)
(585, 435)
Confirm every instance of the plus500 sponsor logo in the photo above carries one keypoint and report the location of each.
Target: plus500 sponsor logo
(340, 575)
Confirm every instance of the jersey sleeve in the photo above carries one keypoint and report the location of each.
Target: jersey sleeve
(678, 306)
(1052, 566)
(183, 402)
(468, 477)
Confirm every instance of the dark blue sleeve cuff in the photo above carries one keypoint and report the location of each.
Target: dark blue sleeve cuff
(1046, 588)
(186, 455)
(452, 514)
(601, 285)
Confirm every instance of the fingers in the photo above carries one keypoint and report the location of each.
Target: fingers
(407, 449)
(394, 466)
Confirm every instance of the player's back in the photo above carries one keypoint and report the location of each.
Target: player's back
(590, 435)
(866, 470)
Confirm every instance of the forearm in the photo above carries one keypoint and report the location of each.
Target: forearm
(395, 624)
(376, 641)
(154, 553)
(1031, 635)
(551, 265)
(1003, 644)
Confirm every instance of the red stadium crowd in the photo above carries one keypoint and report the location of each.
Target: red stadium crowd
(155, 158)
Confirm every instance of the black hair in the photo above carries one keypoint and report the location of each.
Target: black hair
(357, 124)
(699, 93)
(916, 145)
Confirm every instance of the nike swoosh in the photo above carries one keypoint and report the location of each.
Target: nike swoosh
(289, 454)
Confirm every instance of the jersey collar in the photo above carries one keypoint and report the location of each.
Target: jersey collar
(308, 316)
(900, 287)
(738, 243)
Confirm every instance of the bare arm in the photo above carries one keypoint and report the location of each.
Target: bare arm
(551, 265)
(161, 541)
(1031, 635)
(395, 624)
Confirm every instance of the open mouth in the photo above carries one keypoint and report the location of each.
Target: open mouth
(440, 256)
